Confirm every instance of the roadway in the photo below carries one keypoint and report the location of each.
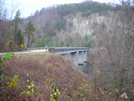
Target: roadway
(29, 51)
(55, 50)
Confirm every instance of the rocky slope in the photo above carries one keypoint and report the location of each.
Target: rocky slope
(91, 25)
(74, 24)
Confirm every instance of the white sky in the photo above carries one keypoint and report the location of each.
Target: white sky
(27, 7)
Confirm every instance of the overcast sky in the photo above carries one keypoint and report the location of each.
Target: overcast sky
(27, 7)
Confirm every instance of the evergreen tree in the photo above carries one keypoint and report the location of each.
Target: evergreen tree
(16, 22)
(29, 33)
(20, 38)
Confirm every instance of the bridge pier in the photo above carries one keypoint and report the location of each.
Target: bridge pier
(85, 56)
(80, 58)
(74, 56)
(79, 55)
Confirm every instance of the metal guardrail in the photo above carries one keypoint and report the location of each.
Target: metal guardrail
(63, 49)
(35, 48)
(57, 49)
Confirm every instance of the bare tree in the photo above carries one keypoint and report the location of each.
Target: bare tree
(3, 25)
(116, 60)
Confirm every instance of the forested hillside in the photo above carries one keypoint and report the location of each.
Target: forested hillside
(107, 29)
(50, 22)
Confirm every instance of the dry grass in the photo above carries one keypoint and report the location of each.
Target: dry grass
(48, 72)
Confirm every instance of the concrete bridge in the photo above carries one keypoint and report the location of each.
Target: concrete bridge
(78, 54)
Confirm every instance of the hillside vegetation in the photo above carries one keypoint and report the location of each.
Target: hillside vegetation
(50, 22)
(46, 77)
(107, 29)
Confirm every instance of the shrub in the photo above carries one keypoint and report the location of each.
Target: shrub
(86, 14)
(70, 24)
(94, 33)
(1, 51)
(7, 57)
(12, 83)
(60, 25)
(89, 44)
(51, 32)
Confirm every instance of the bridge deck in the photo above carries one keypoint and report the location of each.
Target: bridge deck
(55, 50)
(64, 50)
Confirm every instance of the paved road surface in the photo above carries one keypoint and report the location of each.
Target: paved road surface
(29, 51)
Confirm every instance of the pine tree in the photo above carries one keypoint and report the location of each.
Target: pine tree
(18, 38)
(29, 33)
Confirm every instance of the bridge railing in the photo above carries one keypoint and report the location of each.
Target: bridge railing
(61, 49)
(57, 49)
(35, 48)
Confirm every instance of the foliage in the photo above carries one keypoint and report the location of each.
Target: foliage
(2, 77)
(9, 45)
(17, 18)
(60, 25)
(83, 7)
(45, 40)
(7, 56)
(86, 38)
(57, 65)
(69, 41)
(94, 33)
(86, 14)
(50, 84)
(95, 23)
(51, 32)
(62, 44)
(2, 87)
(1, 51)
(103, 25)
(32, 90)
(18, 38)
(54, 95)
(70, 24)
(89, 44)
(13, 82)
(29, 29)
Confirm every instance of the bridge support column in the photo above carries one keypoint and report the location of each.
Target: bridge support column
(80, 58)
(85, 56)
(75, 56)
(68, 55)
